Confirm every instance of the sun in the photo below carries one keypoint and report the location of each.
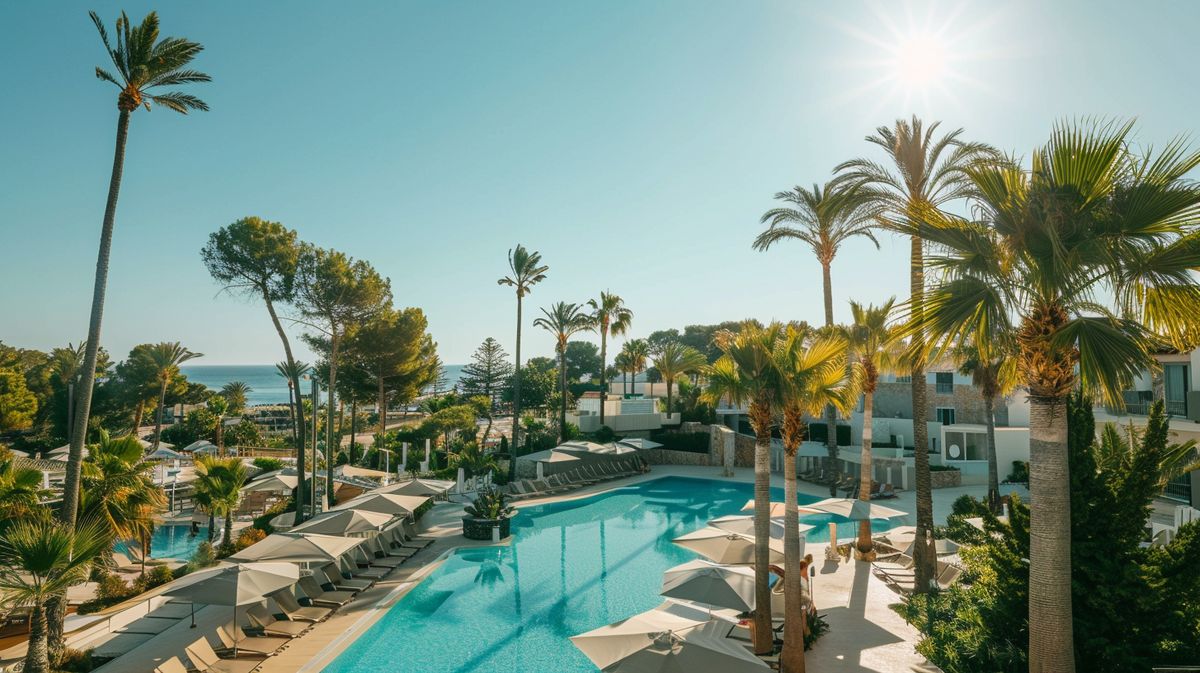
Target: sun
(920, 62)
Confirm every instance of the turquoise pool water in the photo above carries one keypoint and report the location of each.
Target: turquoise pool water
(173, 541)
(571, 567)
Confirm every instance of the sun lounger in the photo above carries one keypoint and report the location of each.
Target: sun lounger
(292, 609)
(126, 565)
(234, 635)
(885, 491)
(205, 659)
(340, 582)
(172, 665)
(260, 619)
(410, 530)
(320, 597)
(945, 579)
(384, 557)
(397, 537)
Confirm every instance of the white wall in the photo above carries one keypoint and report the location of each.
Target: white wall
(1018, 409)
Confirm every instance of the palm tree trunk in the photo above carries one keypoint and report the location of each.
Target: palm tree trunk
(993, 495)
(162, 402)
(137, 416)
(37, 656)
(353, 429)
(924, 559)
(212, 526)
(670, 384)
(831, 446)
(221, 435)
(515, 449)
(760, 414)
(1051, 641)
(330, 408)
(87, 374)
(791, 660)
(865, 544)
(603, 367)
(562, 377)
(229, 527)
(56, 642)
(299, 409)
(381, 406)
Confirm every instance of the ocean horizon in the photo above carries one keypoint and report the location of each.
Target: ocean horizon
(266, 385)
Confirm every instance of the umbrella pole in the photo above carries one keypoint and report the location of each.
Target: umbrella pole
(235, 631)
(193, 606)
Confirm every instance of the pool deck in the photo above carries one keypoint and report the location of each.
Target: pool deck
(865, 636)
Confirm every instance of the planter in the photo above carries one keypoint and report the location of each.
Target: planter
(481, 529)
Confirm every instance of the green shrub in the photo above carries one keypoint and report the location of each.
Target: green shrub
(268, 464)
(1019, 474)
(817, 627)
(249, 536)
(156, 576)
(76, 661)
(263, 522)
(571, 432)
(604, 435)
(111, 587)
(204, 556)
(490, 503)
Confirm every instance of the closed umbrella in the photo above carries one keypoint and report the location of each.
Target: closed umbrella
(712, 584)
(658, 641)
(235, 585)
(723, 546)
(344, 522)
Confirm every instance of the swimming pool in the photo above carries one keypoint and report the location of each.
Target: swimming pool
(171, 541)
(572, 567)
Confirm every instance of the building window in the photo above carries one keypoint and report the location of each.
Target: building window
(944, 415)
(1175, 384)
(1179, 489)
(944, 382)
(907, 378)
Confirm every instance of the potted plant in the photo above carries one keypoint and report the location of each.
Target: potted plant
(489, 510)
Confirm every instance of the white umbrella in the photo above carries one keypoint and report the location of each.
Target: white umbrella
(706, 582)
(163, 453)
(725, 547)
(344, 522)
(658, 641)
(356, 471)
(385, 503)
(417, 487)
(275, 483)
(558, 457)
(201, 446)
(298, 548)
(235, 585)
(744, 525)
(777, 508)
(854, 509)
(639, 443)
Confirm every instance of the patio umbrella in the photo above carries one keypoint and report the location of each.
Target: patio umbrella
(275, 483)
(658, 641)
(712, 584)
(776, 508)
(417, 487)
(384, 503)
(854, 509)
(298, 548)
(344, 522)
(235, 585)
(744, 525)
(723, 546)
(558, 457)
(201, 446)
(639, 443)
(164, 453)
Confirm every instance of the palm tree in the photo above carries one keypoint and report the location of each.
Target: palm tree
(872, 343)
(143, 63)
(165, 359)
(21, 493)
(221, 481)
(673, 360)
(622, 363)
(610, 317)
(1086, 257)
(219, 406)
(119, 492)
(563, 320)
(824, 219)
(525, 271)
(813, 377)
(235, 392)
(39, 561)
(994, 377)
(294, 371)
(637, 353)
(925, 175)
(748, 372)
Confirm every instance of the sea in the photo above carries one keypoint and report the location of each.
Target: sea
(266, 385)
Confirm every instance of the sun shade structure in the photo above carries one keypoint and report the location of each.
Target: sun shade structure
(235, 585)
(298, 548)
(558, 457)
(344, 522)
(365, 472)
(658, 641)
(638, 443)
(385, 503)
(276, 483)
(200, 446)
(725, 547)
(705, 582)
(744, 525)
(776, 511)
(854, 509)
(417, 487)
(163, 453)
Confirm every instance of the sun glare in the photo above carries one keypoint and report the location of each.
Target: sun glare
(920, 62)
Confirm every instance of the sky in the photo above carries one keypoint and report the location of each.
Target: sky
(634, 144)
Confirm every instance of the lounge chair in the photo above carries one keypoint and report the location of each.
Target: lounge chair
(396, 538)
(339, 581)
(126, 565)
(172, 665)
(260, 619)
(232, 635)
(316, 595)
(205, 659)
(946, 578)
(885, 491)
(292, 609)
(900, 566)
(384, 557)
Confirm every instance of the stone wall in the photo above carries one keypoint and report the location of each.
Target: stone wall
(743, 450)
(669, 457)
(945, 478)
(894, 400)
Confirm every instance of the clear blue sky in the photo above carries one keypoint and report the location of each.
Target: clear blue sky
(635, 144)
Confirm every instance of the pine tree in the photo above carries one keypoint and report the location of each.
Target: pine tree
(488, 372)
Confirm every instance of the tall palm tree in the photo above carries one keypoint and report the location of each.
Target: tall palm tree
(525, 270)
(563, 320)
(638, 356)
(39, 561)
(219, 407)
(748, 372)
(925, 174)
(673, 360)
(814, 377)
(623, 364)
(221, 480)
(1087, 257)
(119, 492)
(21, 493)
(872, 344)
(824, 219)
(235, 392)
(143, 63)
(994, 377)
(165, 359)
(610, 317)
(294, 371)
